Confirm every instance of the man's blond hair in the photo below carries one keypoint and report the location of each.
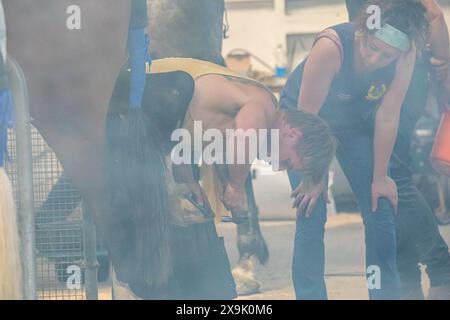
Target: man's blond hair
(316, 148)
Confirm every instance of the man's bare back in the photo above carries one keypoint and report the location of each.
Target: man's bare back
(225, 102)
(222, 102)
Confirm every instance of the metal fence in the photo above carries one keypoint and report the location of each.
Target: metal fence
(59, 269)
(57, 221)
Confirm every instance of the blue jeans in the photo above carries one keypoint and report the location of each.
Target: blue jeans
(355, 155)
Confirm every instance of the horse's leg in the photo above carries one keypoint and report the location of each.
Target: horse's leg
(251, 244)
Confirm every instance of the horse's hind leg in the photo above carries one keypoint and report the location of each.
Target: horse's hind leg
(251, 245)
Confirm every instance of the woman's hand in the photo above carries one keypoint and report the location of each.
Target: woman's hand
(234, 198)
(384, 187)
(308, 200)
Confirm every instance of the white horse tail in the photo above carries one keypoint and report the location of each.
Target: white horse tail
(10, 265)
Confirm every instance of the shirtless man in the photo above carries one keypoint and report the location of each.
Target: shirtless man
(224, 100)
(185, 94)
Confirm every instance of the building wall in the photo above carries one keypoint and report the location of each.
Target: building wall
(259, 26)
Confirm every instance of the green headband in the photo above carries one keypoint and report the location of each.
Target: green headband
(394, 37)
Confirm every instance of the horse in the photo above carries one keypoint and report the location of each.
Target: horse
(71, 75)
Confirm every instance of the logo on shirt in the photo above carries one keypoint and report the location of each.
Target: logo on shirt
(376, 92)
(344, 96)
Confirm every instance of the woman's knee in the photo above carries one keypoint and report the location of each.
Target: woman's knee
(381, 221)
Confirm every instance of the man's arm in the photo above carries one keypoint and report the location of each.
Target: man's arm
(439, 37)
(439, 45)
(252, 116)
(322, 65)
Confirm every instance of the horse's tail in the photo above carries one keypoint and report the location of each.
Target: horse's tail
(10, 267)
(139, 199)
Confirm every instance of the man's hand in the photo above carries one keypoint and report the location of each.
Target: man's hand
(200, 195)
(234, 198)
(439, 69)
(384, 187)
(308, 200)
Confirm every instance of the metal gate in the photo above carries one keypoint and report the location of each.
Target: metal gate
(62, 268)
(57, 222)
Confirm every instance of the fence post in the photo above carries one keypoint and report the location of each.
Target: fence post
(90, 254)
(25, 179)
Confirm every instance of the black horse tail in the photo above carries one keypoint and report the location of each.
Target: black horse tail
(138, 196)
(139, 140)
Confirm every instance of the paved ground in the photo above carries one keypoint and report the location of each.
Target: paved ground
(345, 263)
(344, 258)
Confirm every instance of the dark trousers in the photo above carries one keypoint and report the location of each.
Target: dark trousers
(418, 235)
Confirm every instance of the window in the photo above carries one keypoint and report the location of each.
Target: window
(298, 4)
(243, 4)
(298, 47)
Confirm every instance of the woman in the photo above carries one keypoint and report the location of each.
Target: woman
(418, 237)
(356, 78)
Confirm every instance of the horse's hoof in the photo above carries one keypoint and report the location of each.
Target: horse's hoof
(246, 284)
(244, 290)
(442, 218)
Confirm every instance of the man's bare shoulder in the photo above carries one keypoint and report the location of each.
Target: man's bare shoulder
(235, 92)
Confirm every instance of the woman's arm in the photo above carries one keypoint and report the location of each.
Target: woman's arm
(322, 65)
(386, 127)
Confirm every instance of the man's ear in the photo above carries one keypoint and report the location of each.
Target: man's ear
(296, 133)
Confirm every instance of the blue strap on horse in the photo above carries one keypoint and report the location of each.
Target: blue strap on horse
(6, 121)
(138, 45)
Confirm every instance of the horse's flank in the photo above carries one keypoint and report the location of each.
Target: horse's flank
(70, 76)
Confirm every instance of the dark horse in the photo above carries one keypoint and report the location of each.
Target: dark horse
(71, 76)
